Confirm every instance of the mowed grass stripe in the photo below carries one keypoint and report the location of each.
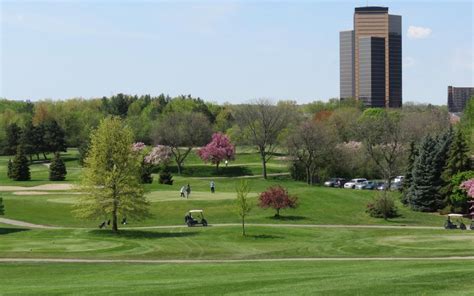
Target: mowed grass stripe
(277, 278)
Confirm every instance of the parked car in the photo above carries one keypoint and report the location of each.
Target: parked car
(396, 186)
(398, 179)
(335, 182)
(369, 185)
(352, 183)
(381, 186)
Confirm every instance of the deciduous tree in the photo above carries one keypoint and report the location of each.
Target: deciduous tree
(261, 123)
(182, 132)
(111, 178)
(242, 203)
(219, 149)
(312, 144)
(277, 197)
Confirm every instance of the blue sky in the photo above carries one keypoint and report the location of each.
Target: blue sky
(220, 51)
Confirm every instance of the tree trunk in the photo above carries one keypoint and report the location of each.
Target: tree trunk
(309, 177)
(243, 226)
(114, 217)
(264, 163)
(37, 156)
(217, 167)
(44, 155)
(179, 167)
(278, 213)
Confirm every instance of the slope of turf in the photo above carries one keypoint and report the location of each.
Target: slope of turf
(228, 243)
(276, 278)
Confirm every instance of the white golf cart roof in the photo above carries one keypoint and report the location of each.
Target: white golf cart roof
(455, 215)
(195, 211)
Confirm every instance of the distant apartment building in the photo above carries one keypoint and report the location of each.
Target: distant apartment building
(371, 58)
(458, 98)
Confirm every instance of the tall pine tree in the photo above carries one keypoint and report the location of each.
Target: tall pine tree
(458, 161)
(57, 169)
(20, 166)
(425, 192)
(408, 180)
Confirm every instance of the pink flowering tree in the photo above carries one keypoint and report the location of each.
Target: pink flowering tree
(277, 197)
(160, 154)
(469, 187)
(219, 149)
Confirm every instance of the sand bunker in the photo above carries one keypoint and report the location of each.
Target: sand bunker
(52, 187)
(30, 193)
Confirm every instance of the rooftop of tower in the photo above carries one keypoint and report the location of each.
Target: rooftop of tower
(371, 9)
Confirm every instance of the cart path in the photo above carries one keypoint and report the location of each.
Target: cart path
(26, 224)
(200, 261)
(49, 187)
(40, 226)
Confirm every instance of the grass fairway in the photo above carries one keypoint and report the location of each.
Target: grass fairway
(276, 278)
(422, 275)
(228, 243)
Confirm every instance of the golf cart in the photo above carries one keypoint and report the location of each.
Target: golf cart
(450, 225)
(197, 219)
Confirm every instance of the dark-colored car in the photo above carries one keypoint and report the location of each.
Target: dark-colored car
(335, 182)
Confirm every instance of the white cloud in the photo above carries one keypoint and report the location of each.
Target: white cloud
(418, 32)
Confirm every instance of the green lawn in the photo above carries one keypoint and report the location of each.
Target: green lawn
(276, 278)
(318, 205)
(228, 243)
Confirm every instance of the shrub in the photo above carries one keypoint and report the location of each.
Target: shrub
(10, 169)
(20, 168)
(57, 169)
(145, 173)
(166, 177)
(383, 206)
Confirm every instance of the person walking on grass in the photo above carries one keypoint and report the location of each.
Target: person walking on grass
(188, 191)
(213, 186)
(182, 191)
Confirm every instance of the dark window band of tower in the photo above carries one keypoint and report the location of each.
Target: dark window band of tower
(371, 58)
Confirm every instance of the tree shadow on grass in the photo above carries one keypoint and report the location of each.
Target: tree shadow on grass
(4, 231)
(140, 234)
(263, 236)
(288, 218)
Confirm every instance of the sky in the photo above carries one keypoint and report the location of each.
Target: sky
(220, 51)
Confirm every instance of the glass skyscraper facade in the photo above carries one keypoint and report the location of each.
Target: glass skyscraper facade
(371, 58)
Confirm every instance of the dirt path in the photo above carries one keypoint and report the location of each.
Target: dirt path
(200, 261)
(40, 226)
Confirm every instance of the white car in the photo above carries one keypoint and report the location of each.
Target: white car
(352, 183)
(398, 179)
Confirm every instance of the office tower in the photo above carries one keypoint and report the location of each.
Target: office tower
(458, 98)
(371, 58)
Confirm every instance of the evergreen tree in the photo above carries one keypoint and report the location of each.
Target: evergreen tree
(13, 135)
(165, 176)
(408, 180)
(2, 207)
(425, 192)
(54, 137)
(145, 173)
(20, 167)
(458, 161)
(458, 158)
(422, 193)
(57, 169)
(10, 169)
